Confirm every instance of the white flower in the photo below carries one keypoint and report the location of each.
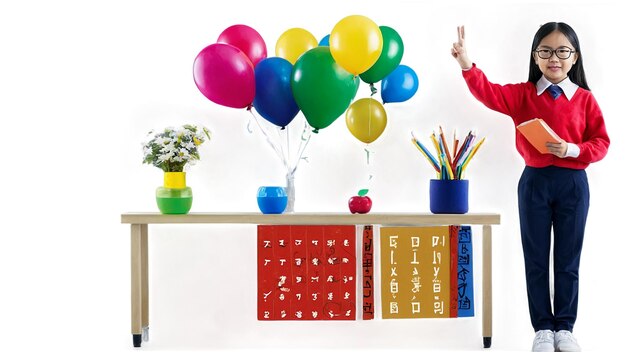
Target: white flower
(162, 141)
(173, 149)
(169, 148)
(189, 146)
(165, 157)
(182, 154)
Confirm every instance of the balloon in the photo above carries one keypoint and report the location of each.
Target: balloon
(400, 85)
(293, 43)
(224, 75)
(356, 43)
(366, 119)
(322, 89)
(274, 99)
(247, 39)
(389, 59)
(324, 41)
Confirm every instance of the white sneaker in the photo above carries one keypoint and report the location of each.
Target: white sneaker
(544, 341)
(565, 342)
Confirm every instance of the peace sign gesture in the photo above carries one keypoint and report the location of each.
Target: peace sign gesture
(458, 49)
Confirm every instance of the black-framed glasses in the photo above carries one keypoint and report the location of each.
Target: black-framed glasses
(562, 53)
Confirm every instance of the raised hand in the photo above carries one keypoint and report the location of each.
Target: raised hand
(458, 49)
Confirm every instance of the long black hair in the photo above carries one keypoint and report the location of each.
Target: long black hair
(577, 73)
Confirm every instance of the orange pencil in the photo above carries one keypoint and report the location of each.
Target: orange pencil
(464, 147)
(456, 144)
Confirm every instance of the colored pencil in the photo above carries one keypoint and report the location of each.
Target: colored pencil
(426, 154)
(450, 164)
(472, 153)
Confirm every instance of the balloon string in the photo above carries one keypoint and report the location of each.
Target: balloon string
(249, 125)
(288, 151)
(306, 132)
(267, 138)
(373, 89)
(305, 137)
(282, 150)
(367, 153)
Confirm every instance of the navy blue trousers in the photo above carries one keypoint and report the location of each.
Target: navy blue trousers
(552, 198)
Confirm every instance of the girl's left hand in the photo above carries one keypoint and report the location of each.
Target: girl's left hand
(558, 149)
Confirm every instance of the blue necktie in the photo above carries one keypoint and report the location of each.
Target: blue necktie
(555, 91)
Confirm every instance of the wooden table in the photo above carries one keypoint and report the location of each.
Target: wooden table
(139, 246)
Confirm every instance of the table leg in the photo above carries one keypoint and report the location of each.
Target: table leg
(487, 299)
(139, 282)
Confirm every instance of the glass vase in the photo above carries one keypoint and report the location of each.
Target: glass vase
(291, 193)
(174, 197)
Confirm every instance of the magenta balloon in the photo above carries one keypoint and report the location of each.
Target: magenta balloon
(247, 39)
(225, 75)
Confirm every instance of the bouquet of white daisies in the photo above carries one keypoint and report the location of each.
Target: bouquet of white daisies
(172, 149)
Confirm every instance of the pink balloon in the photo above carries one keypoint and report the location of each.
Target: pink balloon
(225, 75)
(247, 39)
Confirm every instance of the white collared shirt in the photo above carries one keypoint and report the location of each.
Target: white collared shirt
(569, 88)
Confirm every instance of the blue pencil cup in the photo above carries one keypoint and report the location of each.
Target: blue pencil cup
(272, 199)
(449, 196)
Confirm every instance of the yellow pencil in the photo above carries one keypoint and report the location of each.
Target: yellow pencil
(449, 168)
(445, 160)
(434, 140)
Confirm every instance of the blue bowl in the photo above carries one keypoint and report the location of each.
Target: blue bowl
(272, 199)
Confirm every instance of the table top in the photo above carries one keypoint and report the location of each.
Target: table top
(316, 218)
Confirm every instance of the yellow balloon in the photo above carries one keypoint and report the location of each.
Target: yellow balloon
(356, 43)
(293, 43)
(366, 119)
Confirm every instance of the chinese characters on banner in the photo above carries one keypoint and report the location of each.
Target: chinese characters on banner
(426, 272)
(415, 272)
(368, 272)
(309, 272)
(306, 272)
(465, 273)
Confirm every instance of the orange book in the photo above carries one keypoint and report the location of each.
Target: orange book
(538, 133)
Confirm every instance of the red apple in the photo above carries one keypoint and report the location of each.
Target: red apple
(360, 204)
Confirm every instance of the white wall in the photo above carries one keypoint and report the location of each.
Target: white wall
(82, 83)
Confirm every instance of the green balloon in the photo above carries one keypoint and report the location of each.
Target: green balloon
(322, 89)
(389, 58)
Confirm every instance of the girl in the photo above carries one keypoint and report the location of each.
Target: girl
(553, 193)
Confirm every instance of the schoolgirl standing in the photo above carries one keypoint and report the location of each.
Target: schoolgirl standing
(553, 193)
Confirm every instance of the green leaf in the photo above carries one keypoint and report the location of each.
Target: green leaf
(363, 192)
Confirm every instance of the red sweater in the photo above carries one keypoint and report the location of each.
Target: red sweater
(576, 121)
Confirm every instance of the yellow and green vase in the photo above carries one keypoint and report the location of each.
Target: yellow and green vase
(174, 197)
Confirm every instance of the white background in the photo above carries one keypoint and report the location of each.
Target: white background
(81, 83)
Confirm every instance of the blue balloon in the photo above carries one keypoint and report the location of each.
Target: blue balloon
(400, 85)
(274, 99)
(325, 41)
